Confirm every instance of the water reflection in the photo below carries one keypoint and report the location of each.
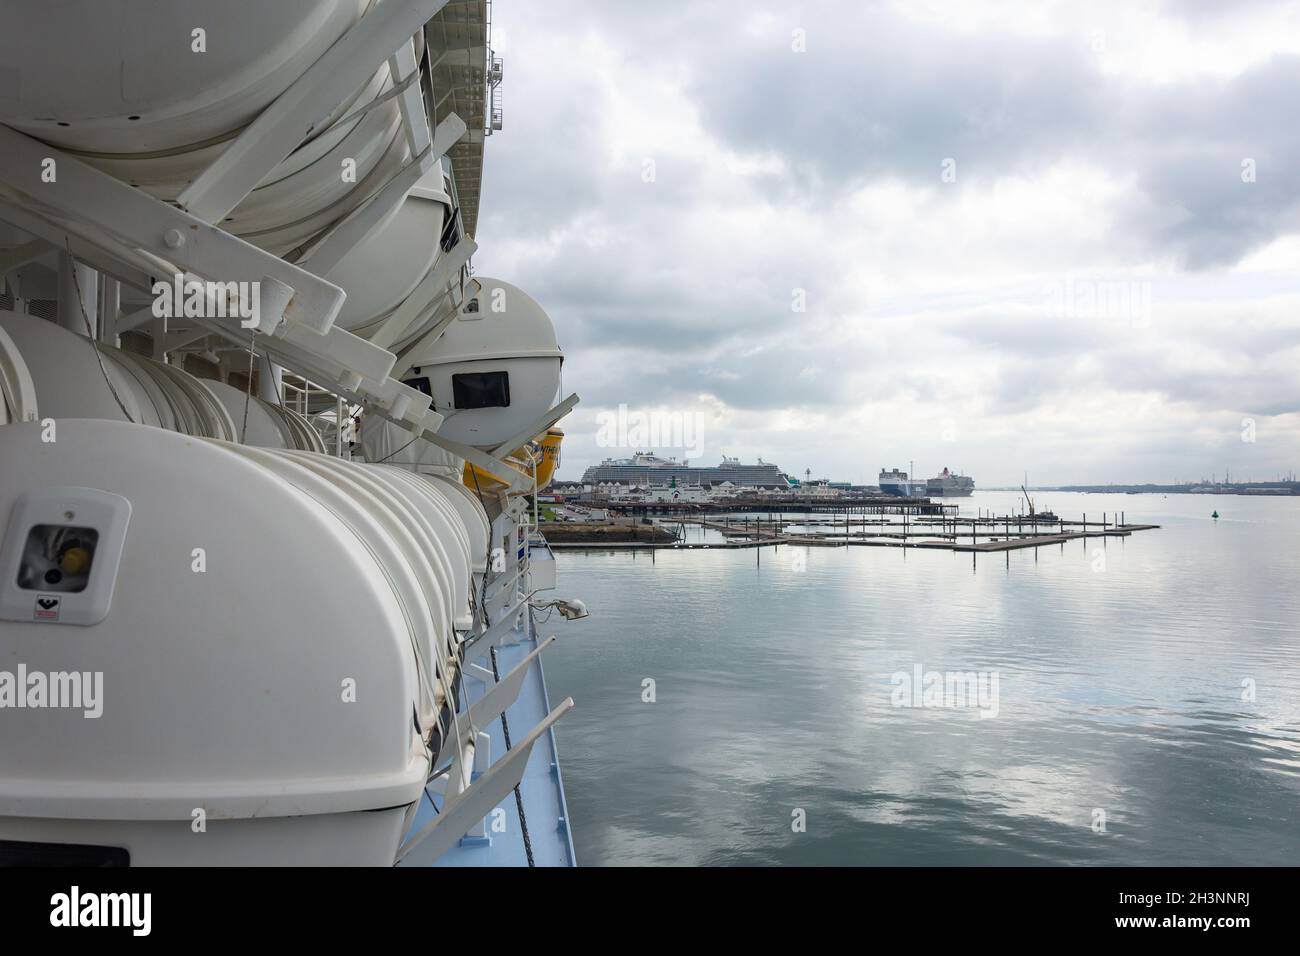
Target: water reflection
(1161, 691)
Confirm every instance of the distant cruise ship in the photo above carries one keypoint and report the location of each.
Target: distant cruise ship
(647, 468)
(948, 485)
(895, 482)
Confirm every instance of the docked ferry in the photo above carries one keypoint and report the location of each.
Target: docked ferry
(896, 482)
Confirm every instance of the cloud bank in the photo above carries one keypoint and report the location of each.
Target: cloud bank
(843, 236)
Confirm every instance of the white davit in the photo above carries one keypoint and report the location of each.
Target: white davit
(155, 114)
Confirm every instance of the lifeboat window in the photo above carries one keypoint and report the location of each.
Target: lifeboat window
(481, 390)
(420, 384)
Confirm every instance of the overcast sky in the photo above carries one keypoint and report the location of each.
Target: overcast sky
(1059, 238)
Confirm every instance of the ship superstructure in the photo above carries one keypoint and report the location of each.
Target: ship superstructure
(948, 485)
(892, 481)
(267, 444)
(645, 470)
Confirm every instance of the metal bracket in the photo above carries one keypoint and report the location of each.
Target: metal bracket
(347, 365)
(495, 467)
(133, 269)
(501, 586)
(20, 256)
(481, 643)
(133, 320)
(167, 342)
(482, 673)
(543, 423)
(517, 481)
(305, 106)
(503, 693)
(147, 233)
(461, 811)
(403, 65)
(362, 222)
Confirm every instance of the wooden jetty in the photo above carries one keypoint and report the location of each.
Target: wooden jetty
(999, 535)
(669, 546)
(972, 535)
(877, 505)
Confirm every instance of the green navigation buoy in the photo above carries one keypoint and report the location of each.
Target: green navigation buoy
(1215, 516)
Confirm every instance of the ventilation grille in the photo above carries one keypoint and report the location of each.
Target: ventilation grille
(43, 308)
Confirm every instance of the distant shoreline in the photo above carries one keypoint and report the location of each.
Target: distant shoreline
(1259, 490)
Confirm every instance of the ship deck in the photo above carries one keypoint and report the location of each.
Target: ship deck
(541, 790)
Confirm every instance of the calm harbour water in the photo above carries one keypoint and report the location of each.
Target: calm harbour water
(1124, 686)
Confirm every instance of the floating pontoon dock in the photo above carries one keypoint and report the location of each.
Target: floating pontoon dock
(977, 535)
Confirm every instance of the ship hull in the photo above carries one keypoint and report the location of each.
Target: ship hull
(903, 489)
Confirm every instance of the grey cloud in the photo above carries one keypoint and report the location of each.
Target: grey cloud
(1191, 143)
(655, 307)
(875, 96)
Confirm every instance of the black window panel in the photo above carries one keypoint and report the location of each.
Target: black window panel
(22, 853)
(481, 390)
(420, 384)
